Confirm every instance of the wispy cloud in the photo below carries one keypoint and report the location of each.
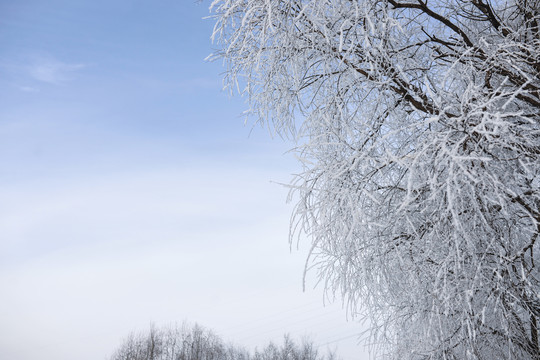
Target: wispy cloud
(29, 89)
(29, 73)
(52, 71)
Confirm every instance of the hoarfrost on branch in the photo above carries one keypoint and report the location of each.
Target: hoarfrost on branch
(418, 127)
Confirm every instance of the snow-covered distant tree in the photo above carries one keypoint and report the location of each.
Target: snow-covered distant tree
(418, 128)
(197, 343)
(188, 342)
(291, 350)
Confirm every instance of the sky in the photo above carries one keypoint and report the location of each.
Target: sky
(133, 193)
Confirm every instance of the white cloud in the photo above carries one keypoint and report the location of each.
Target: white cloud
(52, 71)
(29, 89)
(29, 71)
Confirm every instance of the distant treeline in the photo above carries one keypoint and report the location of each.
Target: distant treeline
(194, 342)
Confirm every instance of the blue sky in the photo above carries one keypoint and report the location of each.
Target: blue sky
(131, 191)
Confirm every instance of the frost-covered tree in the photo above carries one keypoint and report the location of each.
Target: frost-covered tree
(418, 129)
(291, 350)
(178, 343)
(197, 343)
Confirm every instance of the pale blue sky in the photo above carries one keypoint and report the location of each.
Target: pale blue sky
(131, 192)
(109, 76)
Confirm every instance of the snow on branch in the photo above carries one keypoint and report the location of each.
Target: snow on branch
(418, 125)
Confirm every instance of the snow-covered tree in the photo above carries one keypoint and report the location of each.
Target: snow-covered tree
(188, 342)
(418, 129)
(193, 342)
